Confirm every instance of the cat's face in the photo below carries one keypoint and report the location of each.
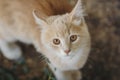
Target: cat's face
(64, 37)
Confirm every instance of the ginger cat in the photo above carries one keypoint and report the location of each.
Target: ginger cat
(57, 30)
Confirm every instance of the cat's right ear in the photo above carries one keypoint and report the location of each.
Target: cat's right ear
(39, 20)
(76, 14)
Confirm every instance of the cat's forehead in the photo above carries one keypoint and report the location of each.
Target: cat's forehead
(59, 25)
(58, 19)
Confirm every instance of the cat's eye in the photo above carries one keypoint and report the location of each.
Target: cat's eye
(56, 41)
(73, 38)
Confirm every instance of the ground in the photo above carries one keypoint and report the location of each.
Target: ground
(103, 18)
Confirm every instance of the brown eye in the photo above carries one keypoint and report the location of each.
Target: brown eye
(56, 41)
(73, 38)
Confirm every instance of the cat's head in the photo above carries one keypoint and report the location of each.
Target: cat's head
(64, 35)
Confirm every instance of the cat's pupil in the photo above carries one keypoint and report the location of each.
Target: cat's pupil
(56, 41)
(73, 38)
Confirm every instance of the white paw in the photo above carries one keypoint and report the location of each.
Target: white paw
(14, 52)
(11, 51)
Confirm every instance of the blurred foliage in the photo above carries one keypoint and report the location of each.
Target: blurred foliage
(6, 74)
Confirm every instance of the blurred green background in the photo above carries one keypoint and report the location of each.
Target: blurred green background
(103, 19)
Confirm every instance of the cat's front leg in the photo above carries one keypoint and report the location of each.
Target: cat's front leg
(11, 50)
(68, 75)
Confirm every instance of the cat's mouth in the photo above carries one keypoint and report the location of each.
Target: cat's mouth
(69, 56)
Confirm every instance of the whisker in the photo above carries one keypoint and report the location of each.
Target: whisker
(42, 59)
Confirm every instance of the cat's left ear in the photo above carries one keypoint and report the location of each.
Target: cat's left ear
(76, 14)
(39, 18)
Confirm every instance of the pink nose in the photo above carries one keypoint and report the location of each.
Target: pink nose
(67, 51)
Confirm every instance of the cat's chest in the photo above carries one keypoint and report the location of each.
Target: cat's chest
(66, 64)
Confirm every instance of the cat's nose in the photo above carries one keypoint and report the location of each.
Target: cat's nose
(67, 51)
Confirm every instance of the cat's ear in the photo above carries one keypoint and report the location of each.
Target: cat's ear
(40, 19)
(76, 14)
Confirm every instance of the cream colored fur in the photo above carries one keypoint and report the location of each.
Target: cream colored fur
(37, 22)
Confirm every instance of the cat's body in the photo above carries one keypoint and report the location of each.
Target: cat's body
(50, 35)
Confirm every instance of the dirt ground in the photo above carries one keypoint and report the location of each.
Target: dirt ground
(103, 18)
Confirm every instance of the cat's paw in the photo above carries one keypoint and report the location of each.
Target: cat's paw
(10, 50)
(14, 52)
